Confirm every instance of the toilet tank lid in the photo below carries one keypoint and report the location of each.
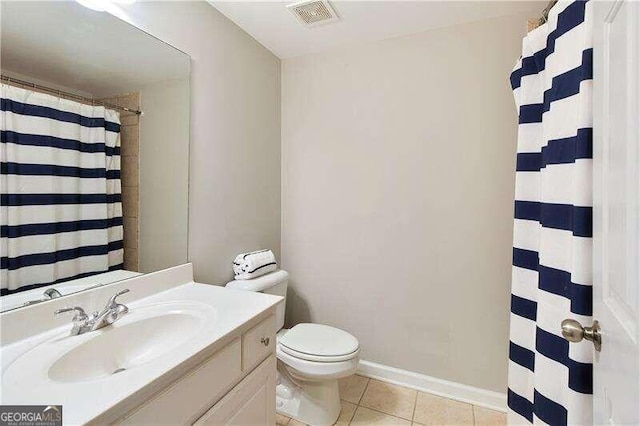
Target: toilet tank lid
(261, 283)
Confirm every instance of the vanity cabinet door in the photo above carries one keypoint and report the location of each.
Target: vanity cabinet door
(181, 403)
(251, 402)
(258, 343)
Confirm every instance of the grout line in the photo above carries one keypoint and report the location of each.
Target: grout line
(386, 414)
(473, 414)
(352, 414)
(364, 391)
(415, 404)
(382, 412)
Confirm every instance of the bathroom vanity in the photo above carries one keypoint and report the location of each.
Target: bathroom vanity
(235, 385)
(185, 353)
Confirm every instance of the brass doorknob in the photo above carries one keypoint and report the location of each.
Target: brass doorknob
(265, 341)
(573, 331)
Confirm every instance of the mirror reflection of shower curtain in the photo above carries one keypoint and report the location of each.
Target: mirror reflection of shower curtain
(60, 190)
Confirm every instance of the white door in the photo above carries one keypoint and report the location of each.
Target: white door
(616, 214)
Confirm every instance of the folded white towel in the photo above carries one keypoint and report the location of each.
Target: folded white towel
(253, 264)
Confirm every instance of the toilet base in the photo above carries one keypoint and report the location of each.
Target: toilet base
(315, 403)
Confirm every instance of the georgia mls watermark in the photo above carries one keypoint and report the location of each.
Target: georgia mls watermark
(30, 415)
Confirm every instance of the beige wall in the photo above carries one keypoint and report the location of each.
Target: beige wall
(164, 174)
(234, 182)
(398, 165)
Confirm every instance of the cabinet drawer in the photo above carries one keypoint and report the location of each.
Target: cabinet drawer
(251, 403)
(183, 401)
(258, 343)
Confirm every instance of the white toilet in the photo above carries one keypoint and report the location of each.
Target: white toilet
(311, 359)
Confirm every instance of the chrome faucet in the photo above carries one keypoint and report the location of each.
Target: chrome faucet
(83, 323)
(52, 293)
(111, 312)
(80, 320)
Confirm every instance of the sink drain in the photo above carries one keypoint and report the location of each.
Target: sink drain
(119, 370)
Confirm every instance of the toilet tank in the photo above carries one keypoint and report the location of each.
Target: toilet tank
(272, 283)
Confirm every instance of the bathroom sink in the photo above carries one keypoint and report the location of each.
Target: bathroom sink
(144, 335)
(125, 347)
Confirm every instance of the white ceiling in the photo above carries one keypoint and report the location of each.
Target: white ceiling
(92, 52)
(275, 27)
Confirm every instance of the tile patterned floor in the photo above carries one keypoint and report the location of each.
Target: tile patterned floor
(372, 402)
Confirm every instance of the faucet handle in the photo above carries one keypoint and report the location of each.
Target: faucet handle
(112, 300)
(79, 316)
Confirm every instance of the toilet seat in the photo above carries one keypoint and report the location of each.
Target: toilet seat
(317, 352)
(318, 358)
(314, 370)
(319, 343)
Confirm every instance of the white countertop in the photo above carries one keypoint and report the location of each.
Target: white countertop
(25, 363)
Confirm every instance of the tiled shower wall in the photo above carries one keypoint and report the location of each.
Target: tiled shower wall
(130, 174)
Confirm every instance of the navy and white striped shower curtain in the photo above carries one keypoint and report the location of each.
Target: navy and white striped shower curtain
(550, 380)
(61, 198)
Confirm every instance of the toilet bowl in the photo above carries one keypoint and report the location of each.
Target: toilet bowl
(311, 359)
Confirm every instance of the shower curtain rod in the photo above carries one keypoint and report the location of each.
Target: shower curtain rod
(82, 99)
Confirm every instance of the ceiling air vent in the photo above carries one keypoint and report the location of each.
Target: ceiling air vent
(314, 12)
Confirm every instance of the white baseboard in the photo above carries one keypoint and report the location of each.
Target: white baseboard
(440, 387)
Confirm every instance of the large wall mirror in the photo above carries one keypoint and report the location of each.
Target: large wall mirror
(95, 151)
